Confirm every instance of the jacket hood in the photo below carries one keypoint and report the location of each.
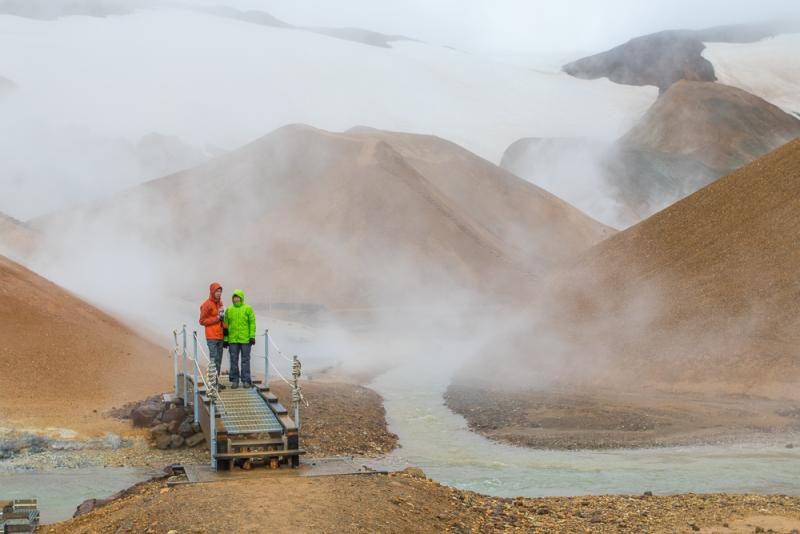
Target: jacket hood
(238, 293)
(213, 287)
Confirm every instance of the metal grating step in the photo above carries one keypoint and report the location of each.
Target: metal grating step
(243, 411)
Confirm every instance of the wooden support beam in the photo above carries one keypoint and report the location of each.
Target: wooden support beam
(287, 423)
(256, 442)
(278, 409)
(267, 395)
(259, 454)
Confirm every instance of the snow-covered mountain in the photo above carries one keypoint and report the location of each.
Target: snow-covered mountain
(217, 81)
(768, 68)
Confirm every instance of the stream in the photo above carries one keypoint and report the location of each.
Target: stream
(60, 491)
(437, 440)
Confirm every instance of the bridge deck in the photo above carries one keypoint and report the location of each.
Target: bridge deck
(244, 411)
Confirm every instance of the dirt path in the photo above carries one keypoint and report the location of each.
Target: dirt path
(403, 502)
(605, 419)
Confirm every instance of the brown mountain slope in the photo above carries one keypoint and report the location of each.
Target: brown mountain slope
(61, 358)
(358, 219)
(695, 133)
(704, 294)
(683, 329)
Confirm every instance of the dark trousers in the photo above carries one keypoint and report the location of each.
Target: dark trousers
(234, 350)
(215, 352)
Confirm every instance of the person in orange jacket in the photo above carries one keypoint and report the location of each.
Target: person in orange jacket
(212, 314)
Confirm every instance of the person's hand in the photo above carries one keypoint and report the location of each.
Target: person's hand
(224, 344)
(252, 341)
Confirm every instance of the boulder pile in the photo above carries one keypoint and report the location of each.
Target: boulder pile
(171, 424)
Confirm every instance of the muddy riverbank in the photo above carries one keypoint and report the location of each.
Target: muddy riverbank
(613, 420)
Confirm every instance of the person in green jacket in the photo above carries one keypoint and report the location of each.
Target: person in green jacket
(240, 322)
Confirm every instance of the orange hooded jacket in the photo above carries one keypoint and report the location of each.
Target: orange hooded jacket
(209, 314)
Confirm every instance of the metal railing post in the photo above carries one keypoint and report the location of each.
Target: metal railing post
(185, 378)
(266, 358)
(213, 434)
(175, 363)
(296, 391)
(194, 386)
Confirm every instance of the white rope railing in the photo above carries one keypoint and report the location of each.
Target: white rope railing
(297, 393)
(210, 384)
(271, 340)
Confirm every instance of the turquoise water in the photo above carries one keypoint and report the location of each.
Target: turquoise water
(60, 491)
(438, 440)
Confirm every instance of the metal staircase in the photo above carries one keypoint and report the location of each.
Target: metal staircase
(246, 424)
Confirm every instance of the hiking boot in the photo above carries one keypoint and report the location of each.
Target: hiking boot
(234, 385)
(247, 384)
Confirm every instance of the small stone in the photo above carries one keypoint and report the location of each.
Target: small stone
(648, 494)
(790, 445)
(414, 472)
(163, 441)
(195, 440)
(161, 428)
(176, 441)
(144, 414)
(172, 532)
(596, 518)
(185, 429)
(174, 414)
(542, 510)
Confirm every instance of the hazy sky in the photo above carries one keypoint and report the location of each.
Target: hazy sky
(521, 25)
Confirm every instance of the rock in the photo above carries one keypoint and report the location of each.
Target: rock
(176, 441)
(144, 414)
(413, 472)
(790, 445)
(174, 414)
(163, 441)
(196, 427)
(93, 504)
(173, 427)
(648, 494)
(596, 518)
(186, 429)
(195, 440)
(113, 440)
(159, 430)
(542, 510)
(85, 507)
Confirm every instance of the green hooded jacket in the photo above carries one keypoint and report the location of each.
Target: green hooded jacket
(240, 321)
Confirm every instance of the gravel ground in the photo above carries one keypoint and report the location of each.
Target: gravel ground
(407, 502)
(327, 430)
(595, 419)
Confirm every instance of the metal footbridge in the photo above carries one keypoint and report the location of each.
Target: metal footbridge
(247, 425)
